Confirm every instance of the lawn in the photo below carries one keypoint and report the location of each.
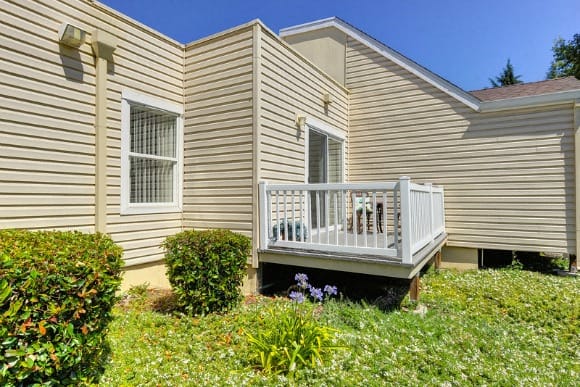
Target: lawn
(487, 327)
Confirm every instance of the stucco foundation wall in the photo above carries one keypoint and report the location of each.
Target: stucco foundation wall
(508, 176)
(47, 118)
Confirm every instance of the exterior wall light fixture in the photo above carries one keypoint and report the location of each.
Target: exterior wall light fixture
(300, 121)
(71, 36)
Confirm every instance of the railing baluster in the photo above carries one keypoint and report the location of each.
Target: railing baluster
(302, 230)
(318, 215)
(364, 218)
(385, 223)
(293, 218)
(344, 215)
(431, 217)
(375, 228)
(277, 215)
(270, 215)
(309, 214)
(285, 216)
(326, 215)
(354, 219)
(335, 218)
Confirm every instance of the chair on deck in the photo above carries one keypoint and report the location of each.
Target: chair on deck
(369, 214)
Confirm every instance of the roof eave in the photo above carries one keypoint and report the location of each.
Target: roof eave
(530, 101)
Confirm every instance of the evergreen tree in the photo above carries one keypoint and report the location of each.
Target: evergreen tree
(507, 77)
(566, 60)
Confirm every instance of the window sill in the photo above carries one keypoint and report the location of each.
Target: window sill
(143, 210)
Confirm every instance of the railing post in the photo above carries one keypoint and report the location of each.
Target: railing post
(263, 197)
(443, 207)
(431, 213)
(406, 242)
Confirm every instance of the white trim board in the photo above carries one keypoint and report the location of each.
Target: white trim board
(324, 128)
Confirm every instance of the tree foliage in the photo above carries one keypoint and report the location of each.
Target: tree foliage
(566, 61)
(506, 77)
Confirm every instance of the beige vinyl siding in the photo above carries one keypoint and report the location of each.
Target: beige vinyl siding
(47, 135)
(508, 176)
(46, 126)
(291, 85)
(218, 132)
(148, 63)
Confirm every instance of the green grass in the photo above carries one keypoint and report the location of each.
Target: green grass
(494, 327)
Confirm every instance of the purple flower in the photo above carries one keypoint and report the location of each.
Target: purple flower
(297, 296)
(302, 280)
(330, 290)
(316, 293)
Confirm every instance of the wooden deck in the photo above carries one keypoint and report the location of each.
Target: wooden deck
(412, 217)
(381, 265)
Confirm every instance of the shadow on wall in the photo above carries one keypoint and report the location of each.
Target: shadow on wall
(70, 58)
(72, 65)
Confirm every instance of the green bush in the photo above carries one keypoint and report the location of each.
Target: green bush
(57, 290)
(206, 269)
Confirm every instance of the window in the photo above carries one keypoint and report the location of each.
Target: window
(151, 155)
(325, 163)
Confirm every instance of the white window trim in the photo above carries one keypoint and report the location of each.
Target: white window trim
(127, 208)
(330, 131)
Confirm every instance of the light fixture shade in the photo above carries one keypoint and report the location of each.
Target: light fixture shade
(70, 35)
(300, 121)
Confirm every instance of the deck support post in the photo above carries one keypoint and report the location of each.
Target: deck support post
(414, 287)
(405, 194)
(437, 260)
(573, 265)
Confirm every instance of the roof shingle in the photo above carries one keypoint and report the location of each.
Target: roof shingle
(528, 89)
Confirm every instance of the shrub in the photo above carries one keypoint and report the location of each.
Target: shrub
(57, 290)
(292, 338)
(206, 269)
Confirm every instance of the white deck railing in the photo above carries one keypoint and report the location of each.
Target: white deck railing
(393, 219)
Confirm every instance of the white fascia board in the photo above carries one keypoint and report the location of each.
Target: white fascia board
(531, 101)
(310, 26)
(414, 68)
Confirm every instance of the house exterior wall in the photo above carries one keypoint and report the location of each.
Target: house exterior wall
(508, 176)
(47, 119)
(218, 138)
(291, 86)
(326, 48)
(47, 152)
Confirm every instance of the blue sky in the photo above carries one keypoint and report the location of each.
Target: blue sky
(464, 41)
